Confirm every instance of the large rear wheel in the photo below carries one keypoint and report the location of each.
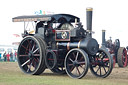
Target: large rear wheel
(122, 57)
(31, 53)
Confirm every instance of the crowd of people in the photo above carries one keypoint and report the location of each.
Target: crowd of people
(12, 57)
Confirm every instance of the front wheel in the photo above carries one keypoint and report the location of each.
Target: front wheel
(76, 63)
(101, 64)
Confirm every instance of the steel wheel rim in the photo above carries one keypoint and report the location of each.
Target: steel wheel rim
(29, 55)
(76, 66)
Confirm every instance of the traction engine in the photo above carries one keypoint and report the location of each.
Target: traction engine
(61, 44)
(118, 53)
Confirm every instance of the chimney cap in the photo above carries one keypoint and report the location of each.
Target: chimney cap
(103, 30)
(89, 9)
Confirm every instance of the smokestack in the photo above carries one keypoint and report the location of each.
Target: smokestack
(103, 37)
(89, 20)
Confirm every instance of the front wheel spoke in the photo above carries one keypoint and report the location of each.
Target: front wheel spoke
(82, 63)
(81, 58)
(72, 68)
(104, 69)
(97, 69)
(70, 59)
(35, 50)
(70, 64)
(73, 55)
(100, 71)
(82, 67)
(77, 55)
(25, 62)
(78, 70)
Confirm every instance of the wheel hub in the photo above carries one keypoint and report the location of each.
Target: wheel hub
(75, 63)
(30, 54)
(101, 63)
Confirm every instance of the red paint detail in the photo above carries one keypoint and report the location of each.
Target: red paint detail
(125, 55)
(53, 31)
(114, 61)
(24, 47)
(50, 59)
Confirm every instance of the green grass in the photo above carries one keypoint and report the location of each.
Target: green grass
(10, 74)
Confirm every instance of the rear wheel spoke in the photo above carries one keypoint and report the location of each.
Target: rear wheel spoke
(33, 47)
(24, 47)
(36, 50)
(36, 55)
(30, 66)
(25, 63)
(23, 55)
(36, 60)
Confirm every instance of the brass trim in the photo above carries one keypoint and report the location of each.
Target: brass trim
(79, 43)
(89, 9)
(57, 44)
(68, 46)
(103, 30)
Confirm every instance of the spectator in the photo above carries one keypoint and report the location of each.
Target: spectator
(11, 56)
(15, 56)
(8, 56)
(5, 56)
(0, 57)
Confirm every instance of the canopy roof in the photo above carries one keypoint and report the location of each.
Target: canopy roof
(51, 17)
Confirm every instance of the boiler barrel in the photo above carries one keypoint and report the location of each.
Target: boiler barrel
(90, 45)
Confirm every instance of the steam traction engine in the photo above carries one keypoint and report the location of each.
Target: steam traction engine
(61, 44)
(118, 53)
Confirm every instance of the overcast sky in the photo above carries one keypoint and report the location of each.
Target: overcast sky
(110, 15)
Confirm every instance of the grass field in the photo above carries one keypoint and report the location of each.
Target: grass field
(10, 74)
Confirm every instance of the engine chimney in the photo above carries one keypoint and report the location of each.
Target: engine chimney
(103, 37)
(89, 21)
